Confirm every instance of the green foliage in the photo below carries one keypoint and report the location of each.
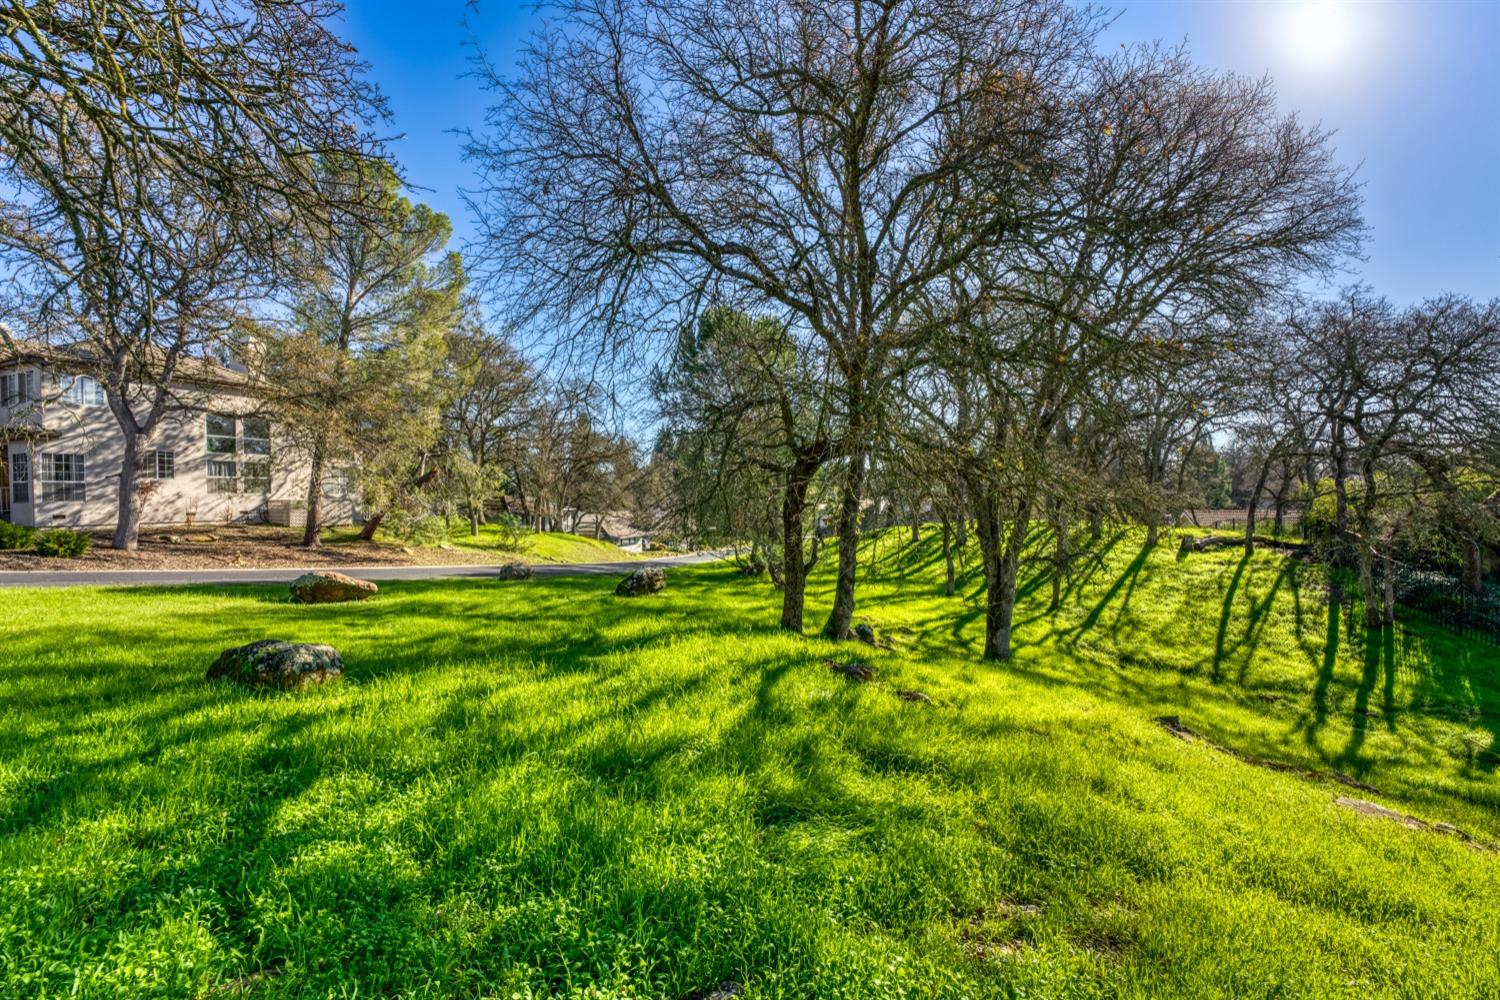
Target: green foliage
(63, 543)
(412, 528)
(544, 792)
(16, 536)
(508, 531)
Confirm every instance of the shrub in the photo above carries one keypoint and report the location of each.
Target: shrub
(63, 543)
(16, 536)
(509, 531)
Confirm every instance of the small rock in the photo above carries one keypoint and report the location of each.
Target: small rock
(642, 581)
(327, 587)
(854, 670)
(171, 539)
(513, 571)
(917, 696)
(865, 633)
(727, 990)
(275, 663)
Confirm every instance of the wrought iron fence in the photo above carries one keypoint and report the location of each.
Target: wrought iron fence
(1434, 596)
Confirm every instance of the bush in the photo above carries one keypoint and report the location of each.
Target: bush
(509, 531)
(16, 536)
(63, 543)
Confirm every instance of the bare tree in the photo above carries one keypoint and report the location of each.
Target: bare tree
(754, 425)
(1181, 201)
(815, 156)
(1415, 385)
(130, 199)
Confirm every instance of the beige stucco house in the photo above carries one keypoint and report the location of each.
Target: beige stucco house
(217, 459)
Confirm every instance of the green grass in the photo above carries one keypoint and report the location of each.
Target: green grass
(538, 789)
(542, 546)
(535, 547)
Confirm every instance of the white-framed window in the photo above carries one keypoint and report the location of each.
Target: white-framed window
(223, 476)
(81, 390)
(239, 452)
(339, 485)
(16, 387)
(255, 436)
(255, 477)
(160, 464)
(62, 477)
(20, 477)
(221, 439)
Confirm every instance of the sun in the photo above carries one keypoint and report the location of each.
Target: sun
(1321, 34)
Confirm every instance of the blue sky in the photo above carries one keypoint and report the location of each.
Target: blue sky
(1412, 89)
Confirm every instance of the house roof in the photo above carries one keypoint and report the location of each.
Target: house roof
(80, 356)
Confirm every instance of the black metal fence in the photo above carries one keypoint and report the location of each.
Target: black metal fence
(1433, 596)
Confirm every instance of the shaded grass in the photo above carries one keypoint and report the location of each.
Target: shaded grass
(542, 790)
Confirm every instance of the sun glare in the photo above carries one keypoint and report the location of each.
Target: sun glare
(1321, 35)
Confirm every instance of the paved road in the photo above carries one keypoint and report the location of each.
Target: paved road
(229, 575)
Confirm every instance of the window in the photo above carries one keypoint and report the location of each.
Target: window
(20, 478)
(255, 436)
(15, 388)
(81, 390)
(63, 477)
(339, 485)
(223, 477)
(255, 477)
(220, 435)
(161, 465)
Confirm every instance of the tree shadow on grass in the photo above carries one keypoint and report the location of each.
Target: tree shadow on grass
(1124, 580)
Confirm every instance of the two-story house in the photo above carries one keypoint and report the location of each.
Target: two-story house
(214, 459)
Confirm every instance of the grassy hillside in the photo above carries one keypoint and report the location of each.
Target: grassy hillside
(543, 546)
(538, 789)
(536, 547)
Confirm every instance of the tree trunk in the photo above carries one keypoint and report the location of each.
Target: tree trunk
(1473, 566)
(1388, 589)
(795, 565)
(842, 615)
(949, 587)
(1060, 558)
(1260, 485)
(312, 534)
(1153, 533)
(128, 511)
(1341, 500)
(473, 522)
(372, 525)
(1000, 552)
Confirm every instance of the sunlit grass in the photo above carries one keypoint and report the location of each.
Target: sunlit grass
(533, 547)
(540, 789)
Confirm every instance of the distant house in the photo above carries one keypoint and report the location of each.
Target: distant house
(614, 527)
(215, 460)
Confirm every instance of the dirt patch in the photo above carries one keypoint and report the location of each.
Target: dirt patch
(987, 934)
(245, 547)
(1173, 725)
(1379, 811)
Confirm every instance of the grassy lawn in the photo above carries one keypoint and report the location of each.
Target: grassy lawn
(536, 547)
(538, 789)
